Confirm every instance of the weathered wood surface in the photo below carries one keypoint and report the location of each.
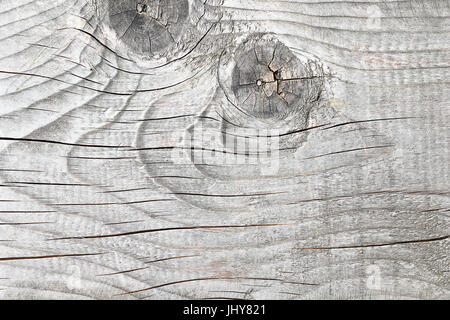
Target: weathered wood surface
(93, 95)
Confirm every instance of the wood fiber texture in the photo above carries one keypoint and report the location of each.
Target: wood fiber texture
(105, 189)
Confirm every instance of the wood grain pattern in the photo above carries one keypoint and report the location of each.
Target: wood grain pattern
(94, 206)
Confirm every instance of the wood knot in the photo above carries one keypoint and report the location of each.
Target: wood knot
(146, 27)
(268, 84)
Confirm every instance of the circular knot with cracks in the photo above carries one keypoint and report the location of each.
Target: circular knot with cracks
(146, 27)
(268, 85)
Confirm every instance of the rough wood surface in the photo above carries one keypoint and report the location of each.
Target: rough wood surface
(100, 199)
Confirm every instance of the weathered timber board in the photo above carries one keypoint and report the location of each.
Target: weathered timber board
(100, 199)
